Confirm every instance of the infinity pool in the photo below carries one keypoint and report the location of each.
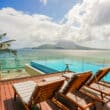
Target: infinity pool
(51, 66)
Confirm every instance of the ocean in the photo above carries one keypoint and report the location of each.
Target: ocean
(8, 61)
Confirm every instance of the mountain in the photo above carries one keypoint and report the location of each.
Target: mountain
(64, 44)
(48, 46)
(70, 45)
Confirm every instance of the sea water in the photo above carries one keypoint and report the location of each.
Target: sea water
(78, 60)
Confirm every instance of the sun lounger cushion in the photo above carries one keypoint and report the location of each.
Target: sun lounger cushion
(52, 78)
(25, 90)
(100, 88)
(81, 99)
(92, 92)
(104, 83)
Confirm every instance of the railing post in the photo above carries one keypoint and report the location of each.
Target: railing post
(82, 64)
(0, 75)
(67, 68)
(0, 70)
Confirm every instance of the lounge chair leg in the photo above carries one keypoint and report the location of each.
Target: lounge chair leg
(14, 96)
(103, 103)
(36, 107)
(39, 106)
(94, 107)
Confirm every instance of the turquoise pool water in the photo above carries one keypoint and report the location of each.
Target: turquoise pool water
(51, 66)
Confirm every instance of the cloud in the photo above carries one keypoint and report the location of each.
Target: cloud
(87, 21)
(44, 1)
(92, 19)
(100, 10)
(28, 30)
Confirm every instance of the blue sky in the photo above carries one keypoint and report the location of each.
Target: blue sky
(53, 8)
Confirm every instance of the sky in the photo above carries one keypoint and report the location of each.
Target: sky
(35, 22)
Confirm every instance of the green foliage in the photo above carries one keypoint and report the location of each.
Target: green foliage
(2, 35)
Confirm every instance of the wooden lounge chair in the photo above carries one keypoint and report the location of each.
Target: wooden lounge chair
(32, 93)
(102, 92)
(104, 83)
(99, 88)
(72, 97)
(99, 75)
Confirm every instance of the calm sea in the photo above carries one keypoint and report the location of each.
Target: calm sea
(9, 61)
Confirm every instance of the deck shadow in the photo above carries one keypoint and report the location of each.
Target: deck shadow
(10, 104)
(99, 106)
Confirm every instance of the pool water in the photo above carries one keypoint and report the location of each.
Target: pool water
(52, 66)
(43, 68)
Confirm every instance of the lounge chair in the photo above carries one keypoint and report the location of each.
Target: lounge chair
(104, 83)
(99, 88)
(68, 75)
(72, 97)
(96, 88)
(32, 93)
(99, 75)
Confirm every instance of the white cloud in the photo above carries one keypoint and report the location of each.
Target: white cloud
(92, 20)
(87, 21)
(28, 30)
(44, 1)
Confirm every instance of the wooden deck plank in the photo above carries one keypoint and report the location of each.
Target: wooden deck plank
(3, 98)
(45, 106)
(0, 98)
(11, 94)
(8, 100)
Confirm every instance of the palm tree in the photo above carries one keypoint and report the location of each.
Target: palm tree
(5, 45)
(2, 35)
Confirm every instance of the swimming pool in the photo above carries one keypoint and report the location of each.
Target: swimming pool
(51, 66)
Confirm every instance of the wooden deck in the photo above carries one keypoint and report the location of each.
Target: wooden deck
(7, 94)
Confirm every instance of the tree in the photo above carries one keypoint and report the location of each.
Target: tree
(2, 35)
